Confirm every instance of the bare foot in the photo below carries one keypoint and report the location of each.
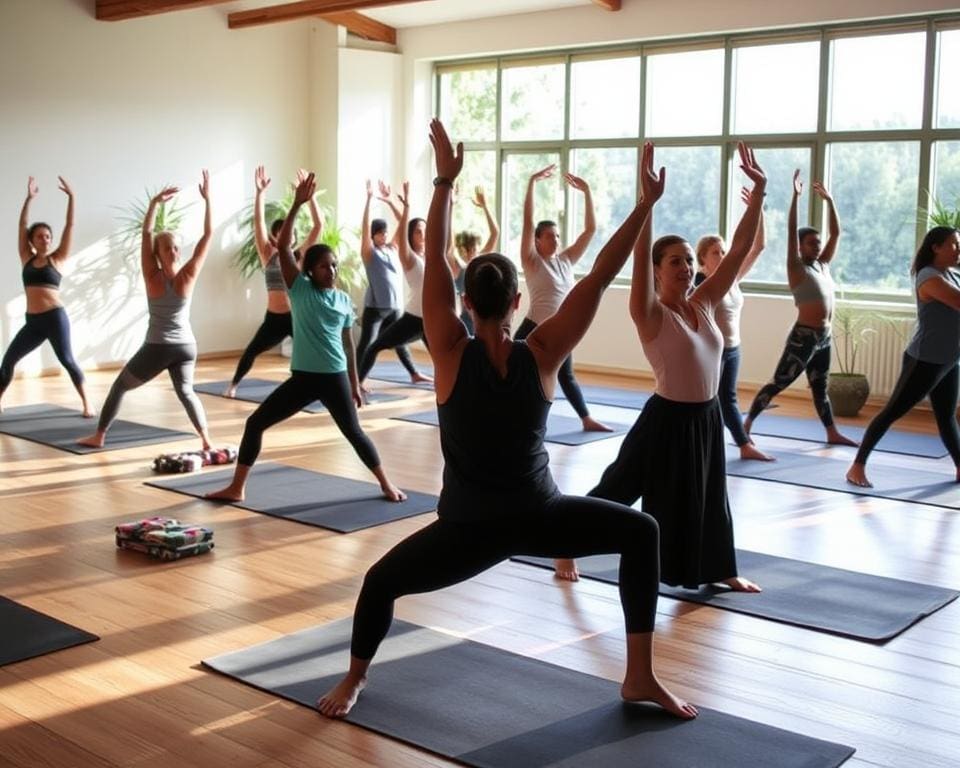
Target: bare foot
(93, 441)
(364, 389)
(340, 700)
(835, 438)
(87, 413)
(590, 424)
(231, 493)
(740, 584)
(857, 475)
(654, 690)
(566, 570)
(230, 391)
(392, 493)
(750, 451)
(419, 378)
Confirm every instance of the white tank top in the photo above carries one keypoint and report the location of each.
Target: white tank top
(727, 315)
(686, 363)
(414, 277)
(549, 281)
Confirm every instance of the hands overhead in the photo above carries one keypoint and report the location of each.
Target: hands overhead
(305, 190)
(449, 163)
(576, 182)
(797, 184)
(260, 179)
(752, 169)
(205, 185)
(164, 194)
(544, 173)
(32, 188)
(64, 187)
(651, 184)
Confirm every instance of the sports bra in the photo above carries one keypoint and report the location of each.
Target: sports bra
(46, 276)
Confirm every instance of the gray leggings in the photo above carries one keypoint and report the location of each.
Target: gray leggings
(151, 359)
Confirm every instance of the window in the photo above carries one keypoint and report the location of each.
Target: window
(605, 98)
(946, 176)
(685, 93)
(948, 96)
(775, 88)
(533, 101)
(690, 206)
(547, 196)
(468, 99)
(479, 170)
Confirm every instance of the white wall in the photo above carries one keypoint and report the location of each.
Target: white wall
(116, 107)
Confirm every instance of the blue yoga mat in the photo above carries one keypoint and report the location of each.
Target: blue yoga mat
(257, 390)
(395, 373)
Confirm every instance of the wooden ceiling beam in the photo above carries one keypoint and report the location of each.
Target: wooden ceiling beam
(117, 10)
(289, 11)
(608, 5)
(363, 26)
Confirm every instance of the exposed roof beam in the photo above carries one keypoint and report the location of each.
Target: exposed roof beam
(115, 10)
(363, 26)
(299, 10)
(609, 5)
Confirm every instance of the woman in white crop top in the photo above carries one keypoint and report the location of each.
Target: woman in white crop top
(673, 456)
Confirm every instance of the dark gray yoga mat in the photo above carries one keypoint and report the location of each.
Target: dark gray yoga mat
(491, 708)
(613, 396)
(257, 390)
(856, 605)
(60, 427)
(566, 430)
(921, 486)
(909, 443)
(313, 498)
(27, 633)
(395, 373)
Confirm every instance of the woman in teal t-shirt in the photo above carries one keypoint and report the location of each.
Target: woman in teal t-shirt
(323, 366)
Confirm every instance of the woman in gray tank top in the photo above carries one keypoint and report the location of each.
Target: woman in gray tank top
(170, 345)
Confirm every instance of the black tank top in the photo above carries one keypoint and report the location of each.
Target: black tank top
(491, 436)
(46, 276)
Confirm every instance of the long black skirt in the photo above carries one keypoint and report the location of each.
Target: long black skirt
(673, 458)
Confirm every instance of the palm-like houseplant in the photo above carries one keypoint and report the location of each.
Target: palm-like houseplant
(169, 218)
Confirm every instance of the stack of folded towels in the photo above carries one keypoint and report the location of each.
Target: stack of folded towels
(191, 461)
(164, 538)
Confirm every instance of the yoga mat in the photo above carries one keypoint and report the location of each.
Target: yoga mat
(257, 390)
(614, 396)
(566, 430)
(313, 498)
(27, 633)
(394, 372)
(909, 443)
(818, 597)
(491, 708)
(921, 486)
(60, 428)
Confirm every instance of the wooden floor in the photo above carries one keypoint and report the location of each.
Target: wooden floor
(138, 697)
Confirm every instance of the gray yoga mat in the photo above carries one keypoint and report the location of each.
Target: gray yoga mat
(566, 430)
(27, 633)
(395, 373)
(614, 396)
(326, 501)
(818, 597)
(921, 486)
(257, 390)
(909, 443)
(494, 709)
(60, 427)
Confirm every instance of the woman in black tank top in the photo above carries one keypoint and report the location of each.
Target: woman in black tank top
(498, 498)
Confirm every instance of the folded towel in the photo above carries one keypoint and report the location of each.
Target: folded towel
(191, 461)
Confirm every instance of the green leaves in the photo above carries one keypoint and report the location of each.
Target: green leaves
(169, 218)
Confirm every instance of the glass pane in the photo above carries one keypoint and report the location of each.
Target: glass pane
(612, 175)
(468, 104)
(533, 102)
(874, 185)
(877, 82)
(778, 164)
(479, 170)
(547, 196)
(775, 88)
(946, 185)
(948, 95)
(691, 202)
(605, 98)
(685, 93)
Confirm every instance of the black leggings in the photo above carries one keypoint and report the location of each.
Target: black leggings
(941, 381)
(807, 349)
(301, 389)
(571, 390)
(407, 329)
(371, 323)
(52, 325)
(276, 326)
(447, 552)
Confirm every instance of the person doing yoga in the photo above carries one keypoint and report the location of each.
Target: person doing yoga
(276, 325)
(808, 345)
(46, 319)
(323, 365)
(930, 359)
(170, 345)
(467, 245)
(499, 498)
(673, 456)
(548, 271)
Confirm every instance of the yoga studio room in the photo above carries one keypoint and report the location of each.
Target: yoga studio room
(491, 383)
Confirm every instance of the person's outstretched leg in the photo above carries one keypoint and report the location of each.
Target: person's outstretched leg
(800, 347)
(27, 339)
(818, 375)
(274, 329)
(943, 398)
(573, 393)
(406, 330)
(730, 407)
(181, 375)
(59, 334)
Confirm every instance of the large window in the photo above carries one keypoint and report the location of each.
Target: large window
(870, 110)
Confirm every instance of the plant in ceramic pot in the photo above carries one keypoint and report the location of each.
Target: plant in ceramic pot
(848, 389)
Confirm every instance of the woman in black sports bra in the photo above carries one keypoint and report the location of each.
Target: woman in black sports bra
(46, 319)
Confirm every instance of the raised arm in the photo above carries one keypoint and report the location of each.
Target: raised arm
(555, 337)
(574, 251)
(288, 261)
(493, 231)
(148, 263)
(759, 239)
(366, 240)
(260, 183)
(795, 271)
(316, 218)
(715, 287)
(407, 261)
(645, 310)
(23, 242)
(66, 238)
(192, 268)
(833, 223)
(386, 197)
(527, 247)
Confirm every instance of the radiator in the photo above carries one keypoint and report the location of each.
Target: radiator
(881, 353)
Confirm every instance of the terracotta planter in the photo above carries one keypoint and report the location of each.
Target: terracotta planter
(848, 392)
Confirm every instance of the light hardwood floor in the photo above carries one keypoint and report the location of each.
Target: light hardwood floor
(138, 697)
